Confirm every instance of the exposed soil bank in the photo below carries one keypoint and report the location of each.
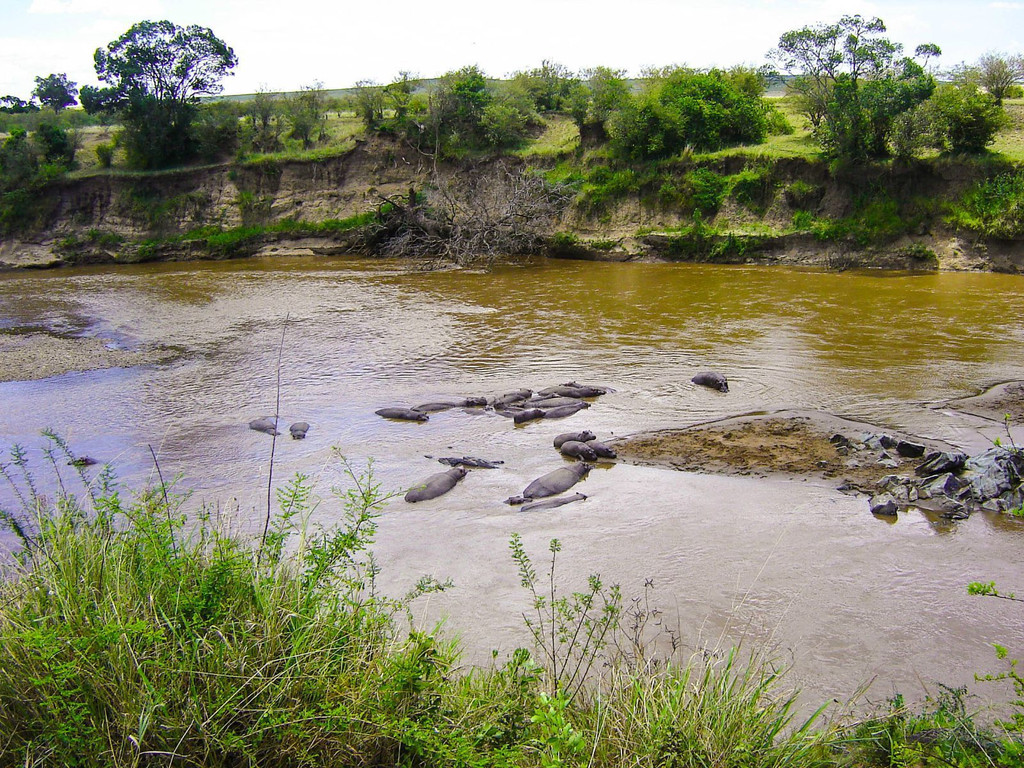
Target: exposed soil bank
(792, 443)
(156, 217)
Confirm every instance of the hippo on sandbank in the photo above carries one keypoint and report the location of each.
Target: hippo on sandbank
(435, 485)
(577, 450)
(582, 437)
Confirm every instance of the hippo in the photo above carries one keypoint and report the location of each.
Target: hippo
(405, 414)
(528, 414)
(572, 389)
(602, 450)
(512, 397)
(583, 437)
(266, 424)
(435, 485)
(298, 430)
(552, 503)
(577, 450)
(470, 461)
(552, 483)
(555, 402)
(433, 407)
(564, 410)
(711, 379)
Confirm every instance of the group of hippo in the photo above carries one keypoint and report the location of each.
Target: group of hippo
(571, 444)
(521, 405)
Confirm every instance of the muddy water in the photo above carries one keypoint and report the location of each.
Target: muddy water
(842, 596)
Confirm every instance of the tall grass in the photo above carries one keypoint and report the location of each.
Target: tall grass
(135, 634)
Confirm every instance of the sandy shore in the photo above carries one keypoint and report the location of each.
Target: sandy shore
(40, 355)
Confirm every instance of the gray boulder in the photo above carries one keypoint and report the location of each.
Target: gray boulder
(941, 462)
(883, 504)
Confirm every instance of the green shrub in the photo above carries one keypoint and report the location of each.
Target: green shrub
(105, 154)
(964, 119)
(753, 187)
(706, 191)
(993, 208)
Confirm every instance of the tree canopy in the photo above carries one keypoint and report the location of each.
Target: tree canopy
(55, 91)
(156, 72)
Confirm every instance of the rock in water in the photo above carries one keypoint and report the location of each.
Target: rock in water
(435, 485)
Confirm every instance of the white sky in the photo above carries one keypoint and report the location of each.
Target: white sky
(285, 45)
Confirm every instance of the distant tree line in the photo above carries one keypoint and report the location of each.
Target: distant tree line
(863, 97)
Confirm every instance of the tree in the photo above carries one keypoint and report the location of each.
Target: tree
(16, 106)
(703, 110)
(997, 73)
(156, 72)
(852, 83)
(306, 111)
(963, 119)
(263, 118)
(55, 91)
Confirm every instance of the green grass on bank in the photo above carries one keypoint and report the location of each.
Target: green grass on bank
(134, 633)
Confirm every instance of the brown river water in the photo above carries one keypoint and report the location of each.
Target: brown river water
(840, 596)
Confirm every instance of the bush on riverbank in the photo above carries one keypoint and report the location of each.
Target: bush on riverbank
(134, 635)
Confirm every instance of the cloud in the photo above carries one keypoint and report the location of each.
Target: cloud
(103, 7)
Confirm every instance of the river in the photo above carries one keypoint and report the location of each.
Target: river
(839, 595)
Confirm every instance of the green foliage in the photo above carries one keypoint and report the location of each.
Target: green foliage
(570, 631)
(306, 114)
(852, 84)
(705, 111)
(754, 186)
(964, 120)
(105, 153)
(605, 184)
(156, 72)
(56, 144)
(24, 177)
(705, 191)
(992, 208)
(55, 91)
(877, 219)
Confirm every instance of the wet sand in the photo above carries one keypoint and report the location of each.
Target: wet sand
(26, 357)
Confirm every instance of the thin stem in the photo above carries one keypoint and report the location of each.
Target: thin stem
(273, 443)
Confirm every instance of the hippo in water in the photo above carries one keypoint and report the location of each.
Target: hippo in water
(711, 379)
(266, 424)
(564, 410)
(552, 483)
(405, 414)
(435, 485)
(552, 503)
(298, 430)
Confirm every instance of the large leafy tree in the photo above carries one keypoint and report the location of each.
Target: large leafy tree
(852, 82)
(156, 72)
(55, 91)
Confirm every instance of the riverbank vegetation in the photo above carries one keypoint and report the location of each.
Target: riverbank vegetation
(137, 632)
(840, 137)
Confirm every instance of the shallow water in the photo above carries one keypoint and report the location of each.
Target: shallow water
(844, 596)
